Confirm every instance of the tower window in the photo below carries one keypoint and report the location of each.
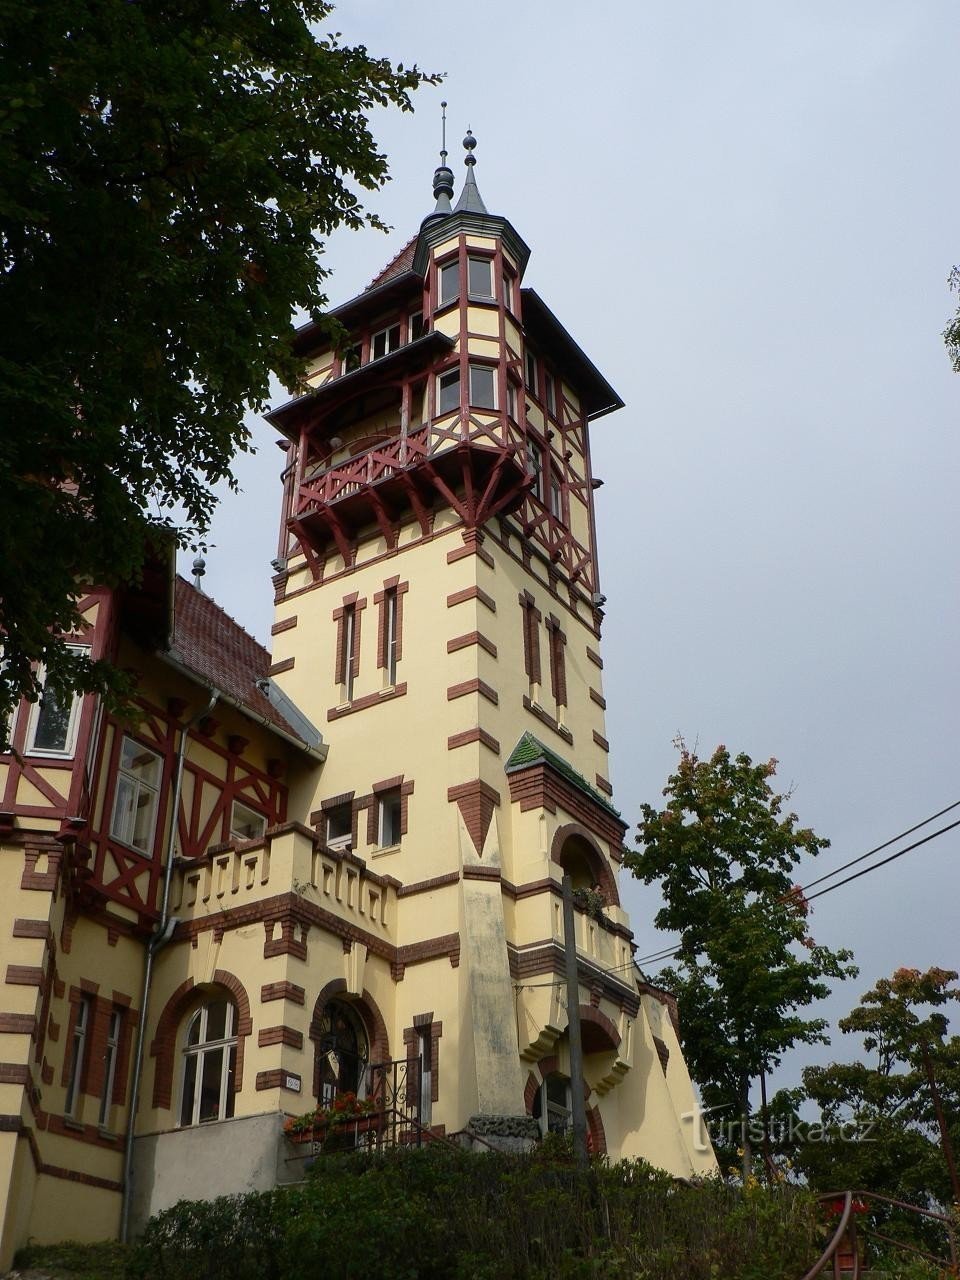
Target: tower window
(512, 400)
(530, 368)
(390, 818)
(246, 823)
(535, 463)
(550, 394)
(391, 636)
(483, 386)
(556, 498)
(78, 1054)
(508, 291)
(552, 1105)
(347, 651)
(448, 391)
(480, 277)
(135, 802)
(384, 342)
(53, 721)
(531, 638)
(110, 1066)
(448, 282)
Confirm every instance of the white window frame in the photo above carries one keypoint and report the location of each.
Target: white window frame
(389, 802)
(556, 498)
(478, 260)
(550, 394)
(139, 784)
(388, 345)
(345, 838)
(391, 606)
(78, 1054)
(448, 271)
(261, 821)
(486, 369)
(425, 1069)
(450, 378)
(548, 1108)
(508, 290)
(349, 631)
(512, 400)
(110, 1055)
(415, 321)
(197, 1053)
(70, 745)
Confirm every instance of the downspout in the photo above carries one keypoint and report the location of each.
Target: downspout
(159, 939)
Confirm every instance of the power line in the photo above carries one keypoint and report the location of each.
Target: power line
(886, 845)
(883, 861)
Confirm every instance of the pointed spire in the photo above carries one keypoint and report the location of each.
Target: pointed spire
(443, 176)
(470, 200)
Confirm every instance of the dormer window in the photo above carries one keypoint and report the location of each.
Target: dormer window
(384, 342)
(480, 277)
(448, 282)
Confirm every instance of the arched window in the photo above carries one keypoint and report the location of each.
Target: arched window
(209, 1063)
(343, 1051)
(552, 1106)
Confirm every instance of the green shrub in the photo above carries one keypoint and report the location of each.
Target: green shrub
(102, 1261)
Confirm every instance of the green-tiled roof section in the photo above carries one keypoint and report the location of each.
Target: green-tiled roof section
(530, 750)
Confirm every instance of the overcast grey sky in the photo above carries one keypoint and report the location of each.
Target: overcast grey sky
(745, 213)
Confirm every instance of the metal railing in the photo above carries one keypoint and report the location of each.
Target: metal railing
(842, 1253)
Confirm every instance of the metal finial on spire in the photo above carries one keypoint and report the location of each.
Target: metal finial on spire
(199, 569)
(470, 199)
(443, 176)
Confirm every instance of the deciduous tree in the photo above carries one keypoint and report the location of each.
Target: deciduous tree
(170, 170)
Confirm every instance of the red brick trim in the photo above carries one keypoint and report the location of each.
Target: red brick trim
(663, 1053)
(448, 945)
(472, 593)
(277, 1079)
(601, 741)
(547, 956)
(599, 699)
(558, 667)
(388, 784)
(427, 886)
(538, 787)
(369, 1013)
(286, 624)
(472, 546)
(531, 637)
(282, 991)
(399, 589)
(473, 686)
(596, 1138)
(468, 736)
(588, 846)
(368, 700)
(42, 881)
(666, 998)
(287, 944)
(476, 801)
(472, 638)
(411, 1038)
(546, 718)
(14, 1073)
(24, 975)
(32, 929)
(481, 873)
(598, 1033)
(286, 665)
(164, 1045)
(280, 1035)
(18, 1024)
(603, 785)
(594, 657)
(354, 602)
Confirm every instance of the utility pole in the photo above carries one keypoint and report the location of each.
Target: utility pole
(573, 1025)
(941, 1121)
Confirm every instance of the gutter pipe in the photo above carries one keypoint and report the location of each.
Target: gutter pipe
(159, 939)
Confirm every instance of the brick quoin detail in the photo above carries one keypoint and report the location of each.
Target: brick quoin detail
(473, 686)
(476, 801)
(31, 929)
(286, 944)
(282, 991)
(286, 665)
(472, 638)
(24, 975)
(287, 624)
(472, 593)
(469, 736)
(18, 1024)
(280, 1035)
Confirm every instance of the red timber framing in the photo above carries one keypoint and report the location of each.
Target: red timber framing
(130, 877)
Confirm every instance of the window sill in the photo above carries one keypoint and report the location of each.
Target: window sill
(384, 852)
(545, 718)
(368, 700)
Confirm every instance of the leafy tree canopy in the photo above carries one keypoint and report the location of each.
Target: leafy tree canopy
(724, 849)
(170, 170)
(951, 335)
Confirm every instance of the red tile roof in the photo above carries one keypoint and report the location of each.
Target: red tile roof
(220, 653)
(396, 266)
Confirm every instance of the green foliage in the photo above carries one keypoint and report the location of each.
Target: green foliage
(886, 1098)
(951, 335)
(724, 849)
(103, 1261)
(169, 173)
(439, 1214)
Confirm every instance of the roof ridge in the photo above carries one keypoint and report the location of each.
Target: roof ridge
(395, 265)
(229, 617)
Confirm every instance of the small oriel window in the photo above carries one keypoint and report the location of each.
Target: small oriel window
(449, 282)
(134, 818)
(246, 823)
(556, 498)
(417, 327)
(384, 342)
(390, 815)
(483, 386)
(448, 391)
(480, 277)
(339, 825)
(209, 1064)
(535, 463)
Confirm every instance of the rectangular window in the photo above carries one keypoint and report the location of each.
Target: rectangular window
(448, 391)
(53, 721)
(550, 394)
(110, 1066)
(78, 1054)
(347, 655)
(382, 343)
(508, 291)
(340, 825)
(417, 327)
(351, 357)
(134, 818)
(448, 282)
(424, 1065)
(512, 400)
(246, 823)
(480, 277)
(556, 498)
(483, 386)
(391, 634)
(558, 671)
(531, 639)
(530, 368)
(389, 819)
(535, 464)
